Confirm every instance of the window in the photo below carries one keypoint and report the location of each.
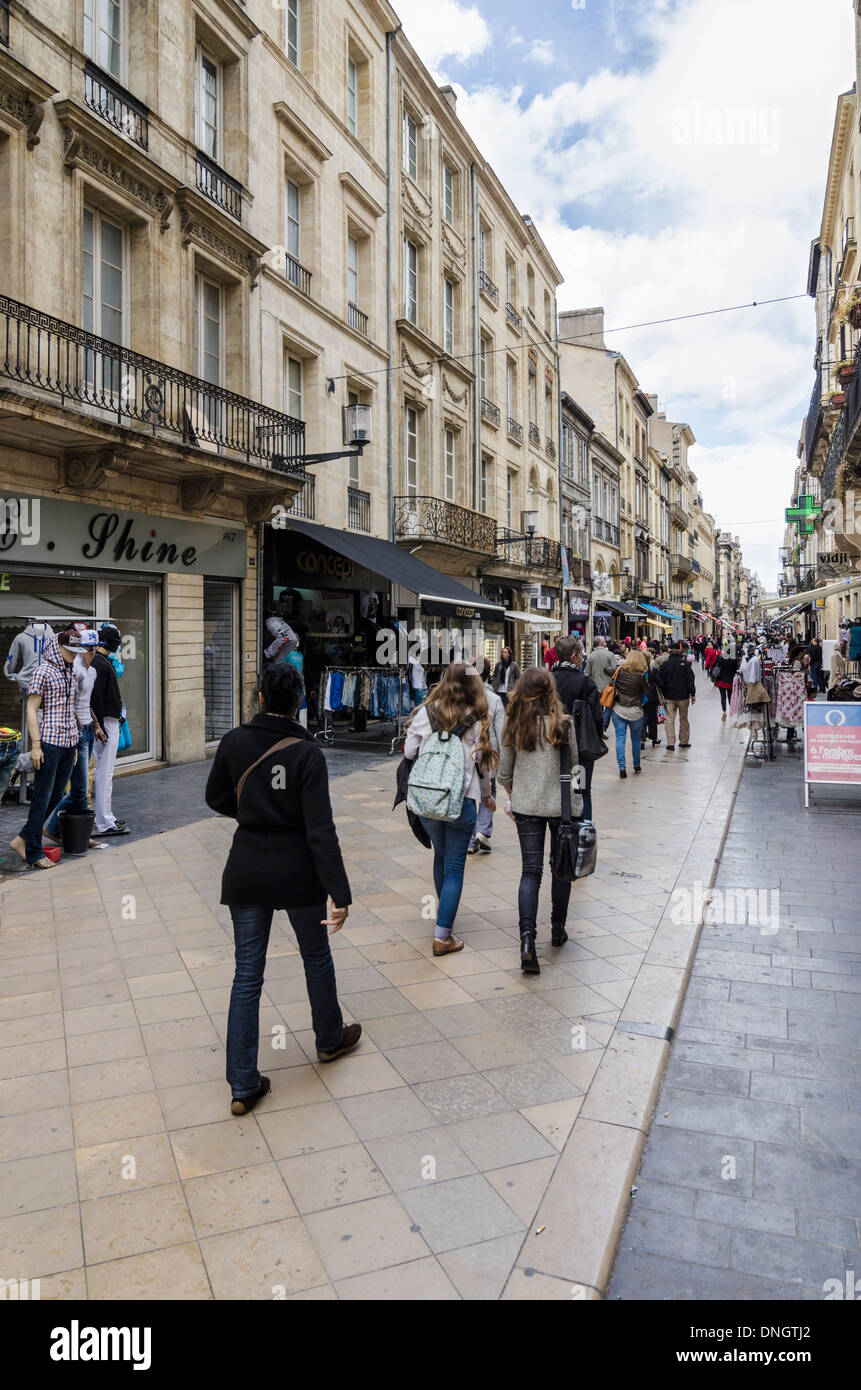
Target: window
(509, 501)
(448, 178)
(105, 35)
(353, 474)
(510, 283)
(548, 412)
(411, 282)
(482, 369)
(530, 289)
(411, 452)
(511, 390)
(292, 44)
(219, 656)
(294, 399)
(533, 395)
(352, 97)
(548, 313)
(483, 484)
(208, 104)
(352, 270)
(293, 208)
(448, 459)
(208, 342)
(103, 296)
(482, 249)
(448, 315)
(411, 146)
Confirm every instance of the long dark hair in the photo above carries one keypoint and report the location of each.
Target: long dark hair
(534, 700)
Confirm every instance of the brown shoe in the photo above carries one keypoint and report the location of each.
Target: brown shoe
(242, 1105)
(445, 948)
(352, 1033)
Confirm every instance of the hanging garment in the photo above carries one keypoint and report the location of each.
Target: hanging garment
(855, 642)
(737, 694)
(348, 694)
(791, 695)
(327, 694)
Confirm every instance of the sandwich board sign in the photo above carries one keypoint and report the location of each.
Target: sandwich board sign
(832, 744)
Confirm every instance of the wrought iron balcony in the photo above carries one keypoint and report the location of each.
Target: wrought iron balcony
(105, 381)
(434, 519)
(513, 317)
(489, 411)
(550, 449)
(358, 509)
(813, 428)
(535, 552)
(355, 318)
(845, 436)
(534, 434)
(515, 430)
(4, 22)
(848, 234)
(115, 105)
(680, 564)
(580, 570)
(297, 274)
(304, 503)
(679, 515)
(488, 288)
(217, 185)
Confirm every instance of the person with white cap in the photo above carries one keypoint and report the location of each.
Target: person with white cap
(54, 734)
(76, 800)
(107, 706)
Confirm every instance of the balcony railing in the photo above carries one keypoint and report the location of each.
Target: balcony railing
(489, 411)
(217, 185)
(515, 430)
(679, 515)
(355, 318)
(4, 22)
(434, 519)
(844, 430)
(513, 317)
(535, 552)
(579, 570)
(101, 378)
(113, 103)
(304, 503)
(488, 288)
(298, 275)
(848, 234)
(550, 449)
(813, 427)
(358, 510)
(680, 564)
(534, 434)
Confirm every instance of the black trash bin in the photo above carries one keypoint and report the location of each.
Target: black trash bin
(75, 830)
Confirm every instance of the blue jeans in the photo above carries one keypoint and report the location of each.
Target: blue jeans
(419, 696)
(484, 818)
(606, 716)
(251, 927)
(9, 750)
(75, 801)
(49, 783)
(450, 840)
(531, 831)
(622, 726)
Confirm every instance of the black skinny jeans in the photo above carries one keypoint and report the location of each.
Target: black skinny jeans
(531, 832)
(650, 715)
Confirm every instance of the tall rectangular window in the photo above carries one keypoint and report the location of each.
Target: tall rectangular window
(103, 274)
(352, 97)
(352, 270)
(482, 368)
(411, 454)
(511, 390)
(208, 104)
(482, 249)
(510, 282)
(105, 35)
(509, 502)
(292, 34)
(411, 282)
(448, 461)
(533, 396)
(208, 329)
(411, 146)
(483, 485)
(294, 396)
(448, 315)
(293, 207)
(448, 194)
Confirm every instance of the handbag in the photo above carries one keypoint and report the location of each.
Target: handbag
(576, 841)
(275, 748)
(590, 743)
(608, 694)
(756, 693)
(125, 739)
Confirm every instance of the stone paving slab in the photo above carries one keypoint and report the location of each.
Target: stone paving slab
(480, 1106)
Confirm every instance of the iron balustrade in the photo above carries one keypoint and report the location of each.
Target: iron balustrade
(435, 519)
(515, 430)
(115, 105)
(217, 185)
(513, 317)
(297, 274)
(358, 509)
(813, 428)
(680, 564)
(844, 430)
(490, 411)
(81, 369)
(304, 503)
(487, 287)
(534, 434)
(355, 318)
(535, 552)
(848, 233)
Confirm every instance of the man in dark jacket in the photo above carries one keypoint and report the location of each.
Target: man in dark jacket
(285, 854)
(677, 684)
(573, 684)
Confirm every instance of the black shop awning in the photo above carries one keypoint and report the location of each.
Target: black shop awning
(398, 565)
(627, 610)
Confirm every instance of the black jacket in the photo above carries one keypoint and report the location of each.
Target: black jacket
(574, 684)
(106, 698)
(285, 852)
(675, 677)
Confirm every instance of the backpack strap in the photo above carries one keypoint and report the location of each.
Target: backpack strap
(275, 748)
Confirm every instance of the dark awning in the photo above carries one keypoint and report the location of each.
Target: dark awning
(398, 565)
(627, 610)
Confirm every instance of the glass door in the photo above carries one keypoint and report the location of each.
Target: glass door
(219, 656)
(130, 607)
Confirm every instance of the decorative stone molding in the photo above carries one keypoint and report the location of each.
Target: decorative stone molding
(452, 243)
(85, 472)
(166, 213)
(22, 96)
(78, 152)
(242, 251)
(409, 192)
(259, 507)
(451, 393)
(198, 494)
(420, 371)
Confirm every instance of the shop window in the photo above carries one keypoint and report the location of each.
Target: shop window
(219, 657)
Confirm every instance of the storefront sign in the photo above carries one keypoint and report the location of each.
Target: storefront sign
(832, 743)
(455, 612)
(104, 537)
(578, 607)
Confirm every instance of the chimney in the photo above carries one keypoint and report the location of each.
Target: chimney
(584, 326)
(450, 96)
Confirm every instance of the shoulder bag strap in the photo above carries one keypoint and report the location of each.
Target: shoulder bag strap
(275, 748)
(565, 780)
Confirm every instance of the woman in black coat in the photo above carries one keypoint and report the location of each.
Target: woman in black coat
(573, 684)
(285, 854)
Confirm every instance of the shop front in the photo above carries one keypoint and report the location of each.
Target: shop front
(171, 585)
(578, 614)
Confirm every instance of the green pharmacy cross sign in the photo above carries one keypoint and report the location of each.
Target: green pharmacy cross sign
(804, 514)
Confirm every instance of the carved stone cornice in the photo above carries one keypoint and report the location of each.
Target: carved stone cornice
(79, 153)
(231, 243)
(199, 493)
(85, 472)
(448, 390)
(362, 196)
(414, 200)
(22, 96)
(259, 506)
(302, 132)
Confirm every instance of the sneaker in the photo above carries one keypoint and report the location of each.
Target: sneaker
(473, 849)
(241, 1105)
(484, 845)
(352, 1033)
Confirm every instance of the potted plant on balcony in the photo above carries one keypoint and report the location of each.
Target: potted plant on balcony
(836, 399)
(852, 312)
(844, 371)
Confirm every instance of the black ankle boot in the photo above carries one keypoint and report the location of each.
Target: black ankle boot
(558, 935)
(528, 958)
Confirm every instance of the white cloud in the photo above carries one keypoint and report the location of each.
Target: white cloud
(541, 51)
(713, 146)
(443, 30)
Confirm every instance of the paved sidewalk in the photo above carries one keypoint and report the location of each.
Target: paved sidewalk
(481, 1105)
(751, 1183)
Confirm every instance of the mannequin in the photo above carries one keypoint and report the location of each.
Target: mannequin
(28, 649)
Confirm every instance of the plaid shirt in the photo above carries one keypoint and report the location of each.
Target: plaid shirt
(53, 679)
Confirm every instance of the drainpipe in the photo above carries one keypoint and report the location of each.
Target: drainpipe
(559, 460)
(389, 306)
(476, 402)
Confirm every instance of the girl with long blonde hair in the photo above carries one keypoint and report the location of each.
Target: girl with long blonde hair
(457, 703)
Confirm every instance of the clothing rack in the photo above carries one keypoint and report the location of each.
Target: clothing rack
(326, 732)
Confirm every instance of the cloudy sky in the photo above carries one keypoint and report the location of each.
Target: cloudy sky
(673, 154)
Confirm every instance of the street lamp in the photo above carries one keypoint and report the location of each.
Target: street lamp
(356, 432)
